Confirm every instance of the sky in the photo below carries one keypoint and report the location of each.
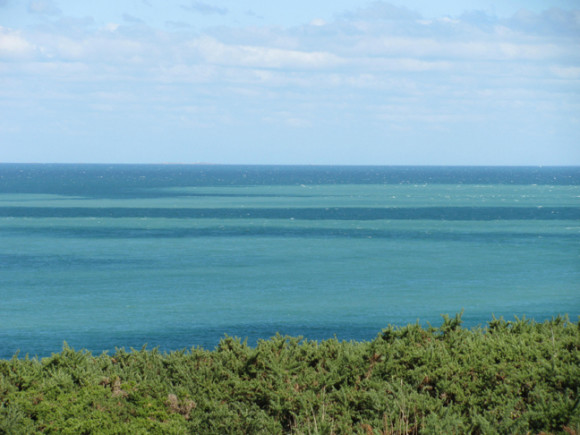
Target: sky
(341, 82)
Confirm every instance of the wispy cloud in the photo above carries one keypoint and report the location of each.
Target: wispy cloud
(379, 10)
(251, 13)
(382, 69)
(204, 8)
(45, 7)
(216, 52)
(554, 21)
(406, 44)
(178, 25)
(132, 19)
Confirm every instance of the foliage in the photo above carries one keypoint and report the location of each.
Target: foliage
(509, 377)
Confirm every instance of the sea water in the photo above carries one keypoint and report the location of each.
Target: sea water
(177, 256)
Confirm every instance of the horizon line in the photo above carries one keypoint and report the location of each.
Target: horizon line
(299, 164)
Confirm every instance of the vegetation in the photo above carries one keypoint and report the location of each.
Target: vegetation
(509, 377)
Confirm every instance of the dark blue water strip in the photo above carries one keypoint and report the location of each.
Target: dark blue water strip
(108, 181)
(109, 232)
(331, 213)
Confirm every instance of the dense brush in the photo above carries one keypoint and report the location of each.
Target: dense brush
(509, 377)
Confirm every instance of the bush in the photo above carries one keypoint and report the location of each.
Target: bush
(509, 377)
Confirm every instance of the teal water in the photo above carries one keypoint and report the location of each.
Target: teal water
(177, 256)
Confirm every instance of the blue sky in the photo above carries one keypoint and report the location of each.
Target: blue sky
(326, 82)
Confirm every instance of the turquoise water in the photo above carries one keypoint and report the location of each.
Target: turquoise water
(178, 256)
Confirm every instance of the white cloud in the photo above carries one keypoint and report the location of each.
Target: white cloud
(319, 22)
(13, 45)
(443, 49)
(216, 52)
(402, 64)
(111, 27)
(186, 74)
(109, 47)
(381, 67)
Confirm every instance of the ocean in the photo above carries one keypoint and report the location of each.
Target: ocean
(177, 256)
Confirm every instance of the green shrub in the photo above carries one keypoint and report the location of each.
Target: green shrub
(509, 377)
